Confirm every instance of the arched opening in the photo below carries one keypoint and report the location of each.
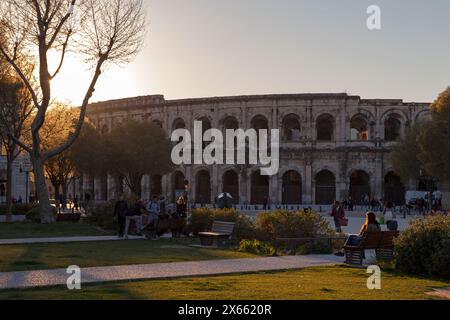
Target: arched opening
(230, 122)
(394, 190)
(156, 185)
(260, 188)
(230, 181)
(203, 187)
(392, 128)
(325, 128)
(105, 129)
(325, 187)
(359, 130)
(260, 123)
(178, 184)
(206, 125)
(291, 128)
(178, 124)
(157, 123)
(292, 188)
(359, 186)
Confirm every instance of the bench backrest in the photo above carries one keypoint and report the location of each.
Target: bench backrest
(383, 239)
(223, 227)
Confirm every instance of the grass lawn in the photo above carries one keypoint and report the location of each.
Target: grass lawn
(60, 229)
(105, 253)
(308, 284)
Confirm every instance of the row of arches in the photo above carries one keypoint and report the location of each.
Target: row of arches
(291, 129)
(325, 187)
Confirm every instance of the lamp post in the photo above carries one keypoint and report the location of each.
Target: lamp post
(27, 173)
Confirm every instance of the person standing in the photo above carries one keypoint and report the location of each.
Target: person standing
(337, 213)
(121, 211)
(135, 214)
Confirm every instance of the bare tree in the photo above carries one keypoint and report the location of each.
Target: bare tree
(103, 31)
(15, 110)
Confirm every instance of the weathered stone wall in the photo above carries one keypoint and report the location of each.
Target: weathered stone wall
(342, 155)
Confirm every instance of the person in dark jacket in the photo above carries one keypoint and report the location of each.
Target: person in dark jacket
(337, 213)
(121, 211)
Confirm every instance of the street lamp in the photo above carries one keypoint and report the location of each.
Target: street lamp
(27, 173)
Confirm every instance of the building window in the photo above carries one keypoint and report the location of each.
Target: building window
(359, 130)
(291, 128)
(392, 128)
(325, 128)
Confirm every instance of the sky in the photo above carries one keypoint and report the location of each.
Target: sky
(205, 48)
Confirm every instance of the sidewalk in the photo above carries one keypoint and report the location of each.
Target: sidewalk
(63, 239)
(45, 278)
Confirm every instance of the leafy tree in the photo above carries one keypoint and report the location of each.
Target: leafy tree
(15, 109)
(434, 139)
(133, 149)
(405, 154)
(59, 125)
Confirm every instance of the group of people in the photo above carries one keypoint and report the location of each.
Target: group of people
(365, 202)
(371, 224)
(146, 215)
(389, 217)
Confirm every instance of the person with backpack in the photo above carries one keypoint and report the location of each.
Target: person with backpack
(389, 217)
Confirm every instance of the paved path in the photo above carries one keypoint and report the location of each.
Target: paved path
(63, 239)
(43, 278)
(443, 293)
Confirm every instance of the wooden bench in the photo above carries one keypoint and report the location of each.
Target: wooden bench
(219, 236)
(66, 217)
(382, 242)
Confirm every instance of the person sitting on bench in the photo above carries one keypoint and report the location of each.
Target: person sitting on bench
(370, 225)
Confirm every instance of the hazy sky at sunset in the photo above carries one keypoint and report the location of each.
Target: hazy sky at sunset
(198, 48)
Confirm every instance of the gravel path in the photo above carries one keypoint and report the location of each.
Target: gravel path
(42, 278)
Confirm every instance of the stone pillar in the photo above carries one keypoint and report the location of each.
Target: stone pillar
(188, 175)
(376, 183)
(112, 188)
(308, 196)
(273, 189)
(214, 183)
(248, 186)
(243, 188)
(166, 186)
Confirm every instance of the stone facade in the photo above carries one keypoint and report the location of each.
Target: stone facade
(332, 146)
(20, 178)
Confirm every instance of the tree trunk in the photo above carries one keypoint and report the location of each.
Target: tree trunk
(45, 208)
(9, 203)
(136, 184)
(64, 194)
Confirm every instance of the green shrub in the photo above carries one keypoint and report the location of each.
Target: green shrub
(202, 220)
(34, 215)
(285, 224)
(103, 216)
(424, 247)
(257, 247)
(18, 209)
